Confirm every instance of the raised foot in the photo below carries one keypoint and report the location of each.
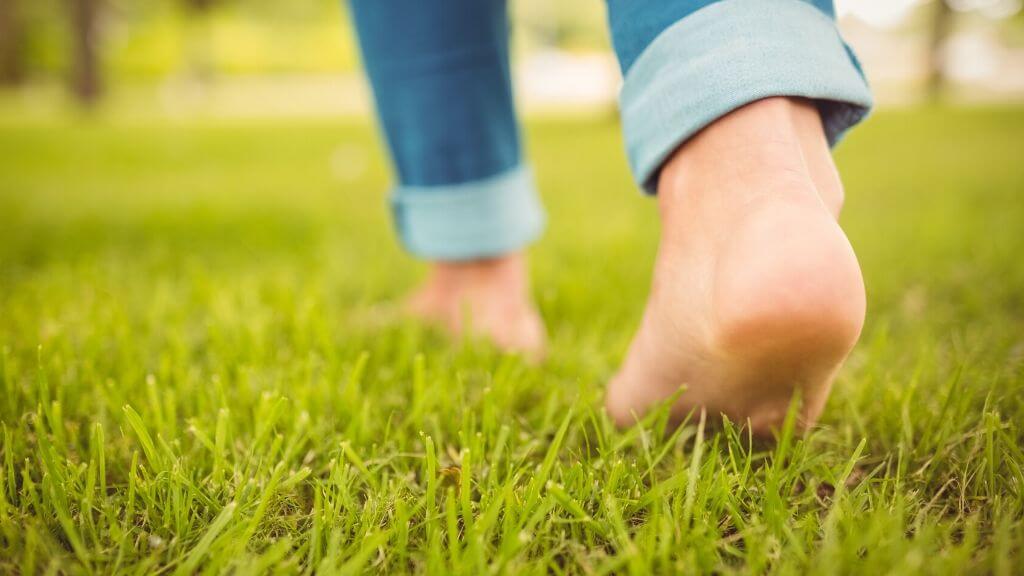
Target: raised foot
(782, 305)
(757, 295)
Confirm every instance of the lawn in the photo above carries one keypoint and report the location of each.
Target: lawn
(193, 379)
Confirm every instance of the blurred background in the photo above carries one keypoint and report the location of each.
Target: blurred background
(241, 58)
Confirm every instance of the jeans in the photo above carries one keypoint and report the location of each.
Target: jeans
(441, 81)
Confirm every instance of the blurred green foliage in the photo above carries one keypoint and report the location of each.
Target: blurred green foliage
(151, 39)
(147, 39)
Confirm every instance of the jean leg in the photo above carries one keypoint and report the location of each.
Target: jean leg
(440, 75)
(689, 62)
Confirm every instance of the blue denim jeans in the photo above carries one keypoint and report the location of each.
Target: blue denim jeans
(441, 81)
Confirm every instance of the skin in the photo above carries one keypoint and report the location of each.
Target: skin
(484, 298)
(756, 292)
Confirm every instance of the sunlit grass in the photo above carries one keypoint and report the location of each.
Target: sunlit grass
(189, 382)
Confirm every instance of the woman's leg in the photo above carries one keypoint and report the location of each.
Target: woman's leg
(464, 199)
(729, 108)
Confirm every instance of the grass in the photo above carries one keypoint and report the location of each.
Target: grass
(189, 383)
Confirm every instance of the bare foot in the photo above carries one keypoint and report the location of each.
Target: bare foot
(756, 292)
(486, 298)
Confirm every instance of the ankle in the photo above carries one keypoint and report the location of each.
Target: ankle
(455, 279)
(460, 271)
(770, 148)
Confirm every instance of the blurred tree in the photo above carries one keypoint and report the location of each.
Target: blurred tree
(200, 6)
(941, 27)
(86, 84)
(1001, 19)
(198, 39)
(564, 24)
(12, 44)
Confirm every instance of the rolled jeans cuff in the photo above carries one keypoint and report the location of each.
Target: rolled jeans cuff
(728, 54)
(469, 220)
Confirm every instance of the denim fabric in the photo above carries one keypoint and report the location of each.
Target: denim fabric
(636, 23)
(725, 55)
(480, 217)
(439, 70)
(440, 76)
